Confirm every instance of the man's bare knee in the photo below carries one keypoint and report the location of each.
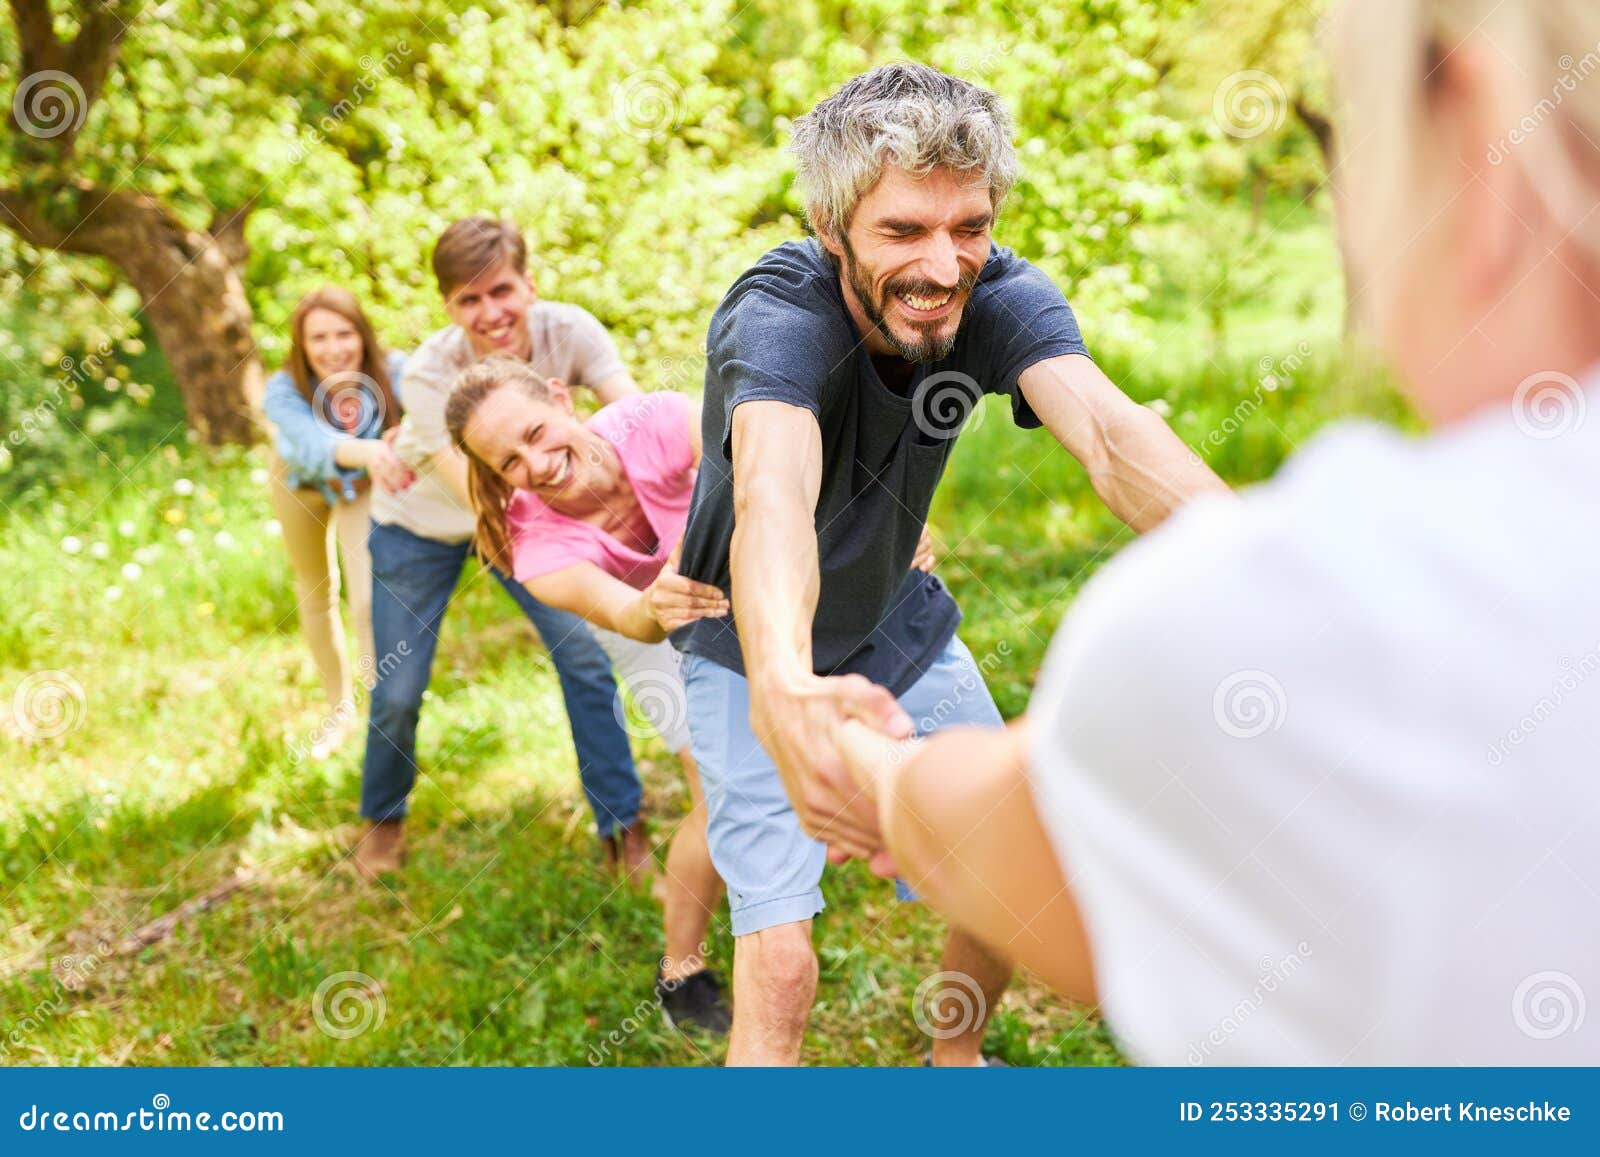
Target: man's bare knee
(782, 959)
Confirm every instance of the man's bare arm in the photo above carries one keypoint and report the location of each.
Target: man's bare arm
(450, 466)
(960, 825)
(1137, 465)
(777, 476)
(619, 385)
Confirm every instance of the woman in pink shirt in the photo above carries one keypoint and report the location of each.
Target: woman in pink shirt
(588, 516)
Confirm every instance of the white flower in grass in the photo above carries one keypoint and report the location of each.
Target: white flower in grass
(126, 528)
(183, 487)
(113, 594)
(258, 476)
(72, 544)
(146, 555)
(273, 527)
(185, 536)
(224, 539)
(99, 550)
(132, 571)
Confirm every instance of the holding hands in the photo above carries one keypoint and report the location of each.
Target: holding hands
(799, 720)
(377, 457)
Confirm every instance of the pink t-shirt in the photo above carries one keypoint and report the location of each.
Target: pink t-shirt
(651, 434)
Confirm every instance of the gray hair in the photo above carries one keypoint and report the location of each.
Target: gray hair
(908, 115)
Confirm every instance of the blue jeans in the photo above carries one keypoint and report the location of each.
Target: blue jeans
(772, 868)
(412, 580)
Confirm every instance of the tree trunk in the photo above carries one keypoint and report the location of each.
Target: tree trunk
(194, 298)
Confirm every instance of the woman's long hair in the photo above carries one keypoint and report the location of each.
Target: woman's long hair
(491, 494)
(374, 363)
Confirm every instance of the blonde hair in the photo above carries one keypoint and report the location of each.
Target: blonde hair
(1544, 101)
(490, 493)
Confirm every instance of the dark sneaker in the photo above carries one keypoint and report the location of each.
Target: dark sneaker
(694, 1002)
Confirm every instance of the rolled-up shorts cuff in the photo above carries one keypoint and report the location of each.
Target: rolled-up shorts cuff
(771, 913)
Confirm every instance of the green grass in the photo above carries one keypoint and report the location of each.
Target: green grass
(503, 942)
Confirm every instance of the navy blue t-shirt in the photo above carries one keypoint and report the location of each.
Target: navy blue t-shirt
(783, 333)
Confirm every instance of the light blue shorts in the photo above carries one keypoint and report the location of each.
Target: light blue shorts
(773, 869)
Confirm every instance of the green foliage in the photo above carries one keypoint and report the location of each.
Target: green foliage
(639, 145)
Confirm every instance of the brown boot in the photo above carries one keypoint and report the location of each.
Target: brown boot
(381, 848)
(629, 849)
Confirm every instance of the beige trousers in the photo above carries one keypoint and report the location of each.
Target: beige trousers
(310, 529)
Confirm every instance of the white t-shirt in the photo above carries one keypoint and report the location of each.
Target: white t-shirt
(1323, 766)
(568, 343)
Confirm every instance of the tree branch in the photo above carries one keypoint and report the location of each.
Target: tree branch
(94, 50)
(88, 59)
(36, 36)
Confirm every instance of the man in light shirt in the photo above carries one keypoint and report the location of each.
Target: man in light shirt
(421, 538)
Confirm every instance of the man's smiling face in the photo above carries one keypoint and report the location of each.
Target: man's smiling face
(910, 257)
(493, 310)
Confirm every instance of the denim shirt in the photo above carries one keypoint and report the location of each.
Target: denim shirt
(306, 441)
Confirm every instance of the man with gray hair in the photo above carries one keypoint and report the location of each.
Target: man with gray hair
(839, 371)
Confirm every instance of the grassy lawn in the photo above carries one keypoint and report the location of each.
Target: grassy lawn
(504, 942)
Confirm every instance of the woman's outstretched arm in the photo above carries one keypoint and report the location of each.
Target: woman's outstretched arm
(606, 601)
(960, 826)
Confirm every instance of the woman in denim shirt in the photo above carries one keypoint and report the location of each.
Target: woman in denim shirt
(331, 403)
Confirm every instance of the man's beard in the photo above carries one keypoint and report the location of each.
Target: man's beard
(928, 346)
